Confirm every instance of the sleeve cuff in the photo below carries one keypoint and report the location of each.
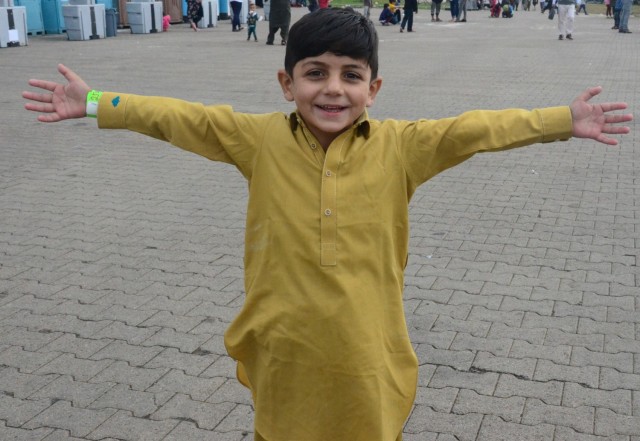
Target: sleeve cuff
(557, 123)
(112, 110)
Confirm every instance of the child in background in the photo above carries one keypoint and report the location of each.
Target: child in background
(321, 340)
(386, 16)
(166, 23)
(252, 22)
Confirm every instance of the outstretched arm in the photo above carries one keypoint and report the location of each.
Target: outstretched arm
(62, 101)
(594, 120)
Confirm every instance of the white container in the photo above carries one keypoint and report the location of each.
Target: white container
(13, 26)
(85, 22)
(210, 14)
(81, 2)
(145, 17)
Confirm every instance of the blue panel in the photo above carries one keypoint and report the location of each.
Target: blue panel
(52, 16)
(35, 24)
(108, 4)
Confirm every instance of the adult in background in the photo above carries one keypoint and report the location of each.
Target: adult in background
(367, 5)
(236, 10)
(279, 18)
(625, 11)
(617, 8)
(410, 6)
(194, 13)
(462, 10)
(435, 10)
(566, 16)
(454, 10)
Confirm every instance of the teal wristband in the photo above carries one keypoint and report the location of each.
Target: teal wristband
(93, 98)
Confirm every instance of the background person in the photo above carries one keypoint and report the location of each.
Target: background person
(279, 18)
(236, 10)
(566, 18)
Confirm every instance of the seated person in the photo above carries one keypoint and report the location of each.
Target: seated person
(394, 7)
(507, 11)
(387, 17)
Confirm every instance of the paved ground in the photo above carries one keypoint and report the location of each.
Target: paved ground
(121, 257)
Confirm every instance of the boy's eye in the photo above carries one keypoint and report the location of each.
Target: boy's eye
(352, 76)
(315, 74)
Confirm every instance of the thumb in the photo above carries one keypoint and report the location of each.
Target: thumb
(67, 73)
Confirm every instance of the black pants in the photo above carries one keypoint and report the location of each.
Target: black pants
(407, 20)
(284, 32)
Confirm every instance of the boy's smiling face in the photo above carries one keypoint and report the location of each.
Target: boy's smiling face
(330, 92)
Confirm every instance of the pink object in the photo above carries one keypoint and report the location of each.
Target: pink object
(166, 23)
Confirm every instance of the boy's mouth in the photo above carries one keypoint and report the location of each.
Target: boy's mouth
(332, 109)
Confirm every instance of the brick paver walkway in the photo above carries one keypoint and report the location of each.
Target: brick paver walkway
(121, 257)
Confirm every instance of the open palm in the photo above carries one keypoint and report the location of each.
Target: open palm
(63, 101)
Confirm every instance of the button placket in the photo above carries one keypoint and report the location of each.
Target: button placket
(329, 219)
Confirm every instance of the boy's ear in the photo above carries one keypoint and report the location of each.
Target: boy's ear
(374, 88)
(286, 82)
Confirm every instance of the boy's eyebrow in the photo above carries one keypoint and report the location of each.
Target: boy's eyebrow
(317, 63)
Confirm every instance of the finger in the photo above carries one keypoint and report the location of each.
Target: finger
(67, 73)
(42, 84)
(611, 107)
(49, 118)
(42, 108)
(589, 93)
(616, 130)
(40, 97)
(606, 140)
(614, 119)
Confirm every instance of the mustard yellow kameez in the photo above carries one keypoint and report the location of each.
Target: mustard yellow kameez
(321, 340)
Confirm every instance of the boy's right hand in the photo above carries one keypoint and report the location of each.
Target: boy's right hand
(64, 101)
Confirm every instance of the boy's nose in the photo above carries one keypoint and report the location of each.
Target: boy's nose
(334, 85)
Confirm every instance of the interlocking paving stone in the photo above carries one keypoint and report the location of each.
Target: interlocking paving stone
(120, 396)
(509, 409)
(496, 429)
(549, 392)
(126, 427)
(580, 418)
(576, 395)
(62, 415)
(197, 388)
(13, 433)
(205, 415)
(189, 431)
(122, 373)
(79, 393)
(609, 423)
(568, 434)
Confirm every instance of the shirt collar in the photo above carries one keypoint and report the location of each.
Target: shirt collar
(361, 125)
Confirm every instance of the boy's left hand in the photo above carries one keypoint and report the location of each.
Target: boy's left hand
(594, 120)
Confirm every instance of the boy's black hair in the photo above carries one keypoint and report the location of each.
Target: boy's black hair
(340, 31)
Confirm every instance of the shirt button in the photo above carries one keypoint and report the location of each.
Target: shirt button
(328, 173)
(313, 146)
(327, 212)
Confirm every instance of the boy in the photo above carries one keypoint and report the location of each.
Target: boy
(252, 22)
(321, 340)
